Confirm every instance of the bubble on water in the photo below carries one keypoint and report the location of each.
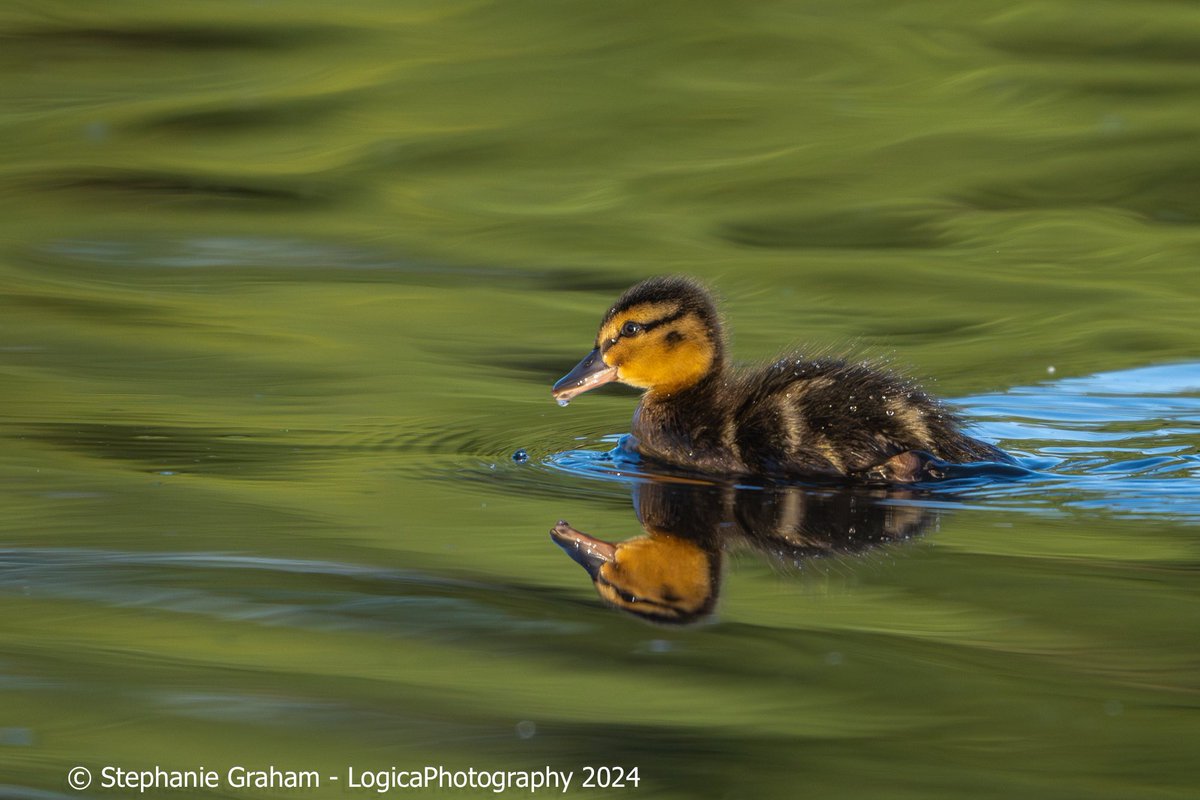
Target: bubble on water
(526, 729)
(520, 456)
(564, 402)
(1111, 123)
(833, 658)
(1050, 370)
(16, 737)
(96, 131)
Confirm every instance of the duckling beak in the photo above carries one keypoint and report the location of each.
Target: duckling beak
(588, 374)
(588, 551)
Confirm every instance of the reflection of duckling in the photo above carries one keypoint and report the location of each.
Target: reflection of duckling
(672, 574)
(797, 417)
(664, 578)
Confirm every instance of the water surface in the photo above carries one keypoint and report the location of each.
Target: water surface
(282, 288)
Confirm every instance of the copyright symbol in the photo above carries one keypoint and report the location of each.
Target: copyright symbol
(79, 778)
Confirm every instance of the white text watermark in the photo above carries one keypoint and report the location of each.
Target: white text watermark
(382, 780)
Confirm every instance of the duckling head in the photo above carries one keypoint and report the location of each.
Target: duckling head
(660, 577)
(663, 335)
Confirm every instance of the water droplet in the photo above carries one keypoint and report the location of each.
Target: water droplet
(854, 408)
(890, 412)
(526, 729)
(1050, 369)
(564, 402)
(833, 658)
(520, 456)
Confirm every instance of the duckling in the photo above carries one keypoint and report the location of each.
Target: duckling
(796, 418)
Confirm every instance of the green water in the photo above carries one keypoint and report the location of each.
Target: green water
(283, 285)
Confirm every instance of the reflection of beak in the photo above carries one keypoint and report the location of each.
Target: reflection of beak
(588, 374)
(588, 551)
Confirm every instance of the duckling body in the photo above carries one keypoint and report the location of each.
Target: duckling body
(797, 417)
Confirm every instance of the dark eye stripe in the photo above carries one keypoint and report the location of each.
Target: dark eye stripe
(646, 326)
(649, 326)
(631, 598)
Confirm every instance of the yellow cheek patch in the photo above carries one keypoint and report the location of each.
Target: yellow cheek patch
(666, 358)
(663, 571)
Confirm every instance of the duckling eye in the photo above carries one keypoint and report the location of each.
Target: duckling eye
(631, 329)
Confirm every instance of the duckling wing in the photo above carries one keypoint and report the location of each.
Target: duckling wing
(827, 416)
